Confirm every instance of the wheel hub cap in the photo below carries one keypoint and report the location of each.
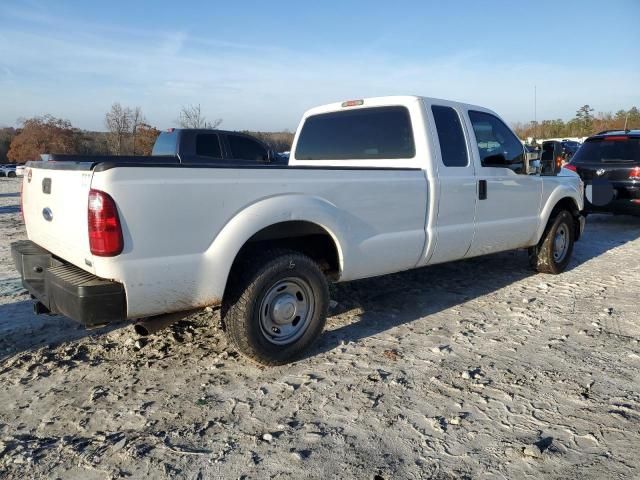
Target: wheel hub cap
(560, 243)
(284, 309)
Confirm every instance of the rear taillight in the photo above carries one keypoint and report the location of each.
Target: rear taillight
(105, 232)
(634, 174)
(619, 138)
(568, 166)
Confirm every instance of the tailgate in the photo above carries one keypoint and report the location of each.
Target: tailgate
(54, 202)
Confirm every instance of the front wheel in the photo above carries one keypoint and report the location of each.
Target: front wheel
(11, 174)
(275, 306)
(553, 253)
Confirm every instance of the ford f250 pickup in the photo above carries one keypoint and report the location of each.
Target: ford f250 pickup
(371, 187)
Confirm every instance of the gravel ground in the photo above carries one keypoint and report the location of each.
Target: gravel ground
(474, 369)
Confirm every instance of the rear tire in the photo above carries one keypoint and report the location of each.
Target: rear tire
(11, 174)
(553, 253)
(275, 306)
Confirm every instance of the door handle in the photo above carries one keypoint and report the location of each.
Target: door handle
(482, 189)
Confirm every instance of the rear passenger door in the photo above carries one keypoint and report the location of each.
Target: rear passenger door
(456, 184)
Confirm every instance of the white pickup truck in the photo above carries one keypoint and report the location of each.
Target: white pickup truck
(372, 187)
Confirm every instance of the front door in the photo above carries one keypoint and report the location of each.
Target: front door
(507, 214)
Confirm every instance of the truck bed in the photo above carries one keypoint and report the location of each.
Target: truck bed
(184, 223)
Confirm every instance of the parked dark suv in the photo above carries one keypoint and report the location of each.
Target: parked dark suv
(609, 165)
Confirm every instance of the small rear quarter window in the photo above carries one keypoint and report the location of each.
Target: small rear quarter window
(453, 146)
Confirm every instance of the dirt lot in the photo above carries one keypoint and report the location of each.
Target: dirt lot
(476, 369)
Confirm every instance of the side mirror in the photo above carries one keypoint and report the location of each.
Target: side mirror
(532, 160)
(552, 158)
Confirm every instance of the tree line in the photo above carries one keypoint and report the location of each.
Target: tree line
(128, 133)
(584, 123)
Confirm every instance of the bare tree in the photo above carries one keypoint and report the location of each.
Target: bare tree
(118, 121)
(137, 119)
(191, 117)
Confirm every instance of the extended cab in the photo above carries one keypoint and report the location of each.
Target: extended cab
(372, 187)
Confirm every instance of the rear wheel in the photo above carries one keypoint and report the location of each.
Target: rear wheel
(11, 174)
(275, 306)
(553, 253)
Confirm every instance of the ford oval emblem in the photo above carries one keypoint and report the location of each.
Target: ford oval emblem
(47, 214)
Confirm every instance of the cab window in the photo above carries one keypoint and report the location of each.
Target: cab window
(450, 136)
(497, 145)
(245, 148)
(208, 145)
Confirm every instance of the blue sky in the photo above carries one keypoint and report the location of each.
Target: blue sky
(259, 65)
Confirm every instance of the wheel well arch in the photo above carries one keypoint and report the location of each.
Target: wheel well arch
(569, 204)
(303, 236)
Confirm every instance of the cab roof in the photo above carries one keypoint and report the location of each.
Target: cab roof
(387, 101)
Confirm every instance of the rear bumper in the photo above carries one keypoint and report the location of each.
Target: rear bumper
(66, 289)
(621, 206)
(625, 198)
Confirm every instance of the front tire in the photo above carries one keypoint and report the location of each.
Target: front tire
(275, 306)
(553, 253)
(11, 174)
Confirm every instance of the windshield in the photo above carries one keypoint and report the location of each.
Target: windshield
(618, 149)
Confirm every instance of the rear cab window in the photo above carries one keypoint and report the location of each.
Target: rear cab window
(609, 149)
(166, 144)
(359, 134)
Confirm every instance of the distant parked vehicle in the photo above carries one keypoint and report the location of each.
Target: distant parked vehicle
(552, 157)
(284, 156)
(569, 148)
(609, 165)
(9, 171)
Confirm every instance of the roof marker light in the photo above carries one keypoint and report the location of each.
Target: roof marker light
(352, 103)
